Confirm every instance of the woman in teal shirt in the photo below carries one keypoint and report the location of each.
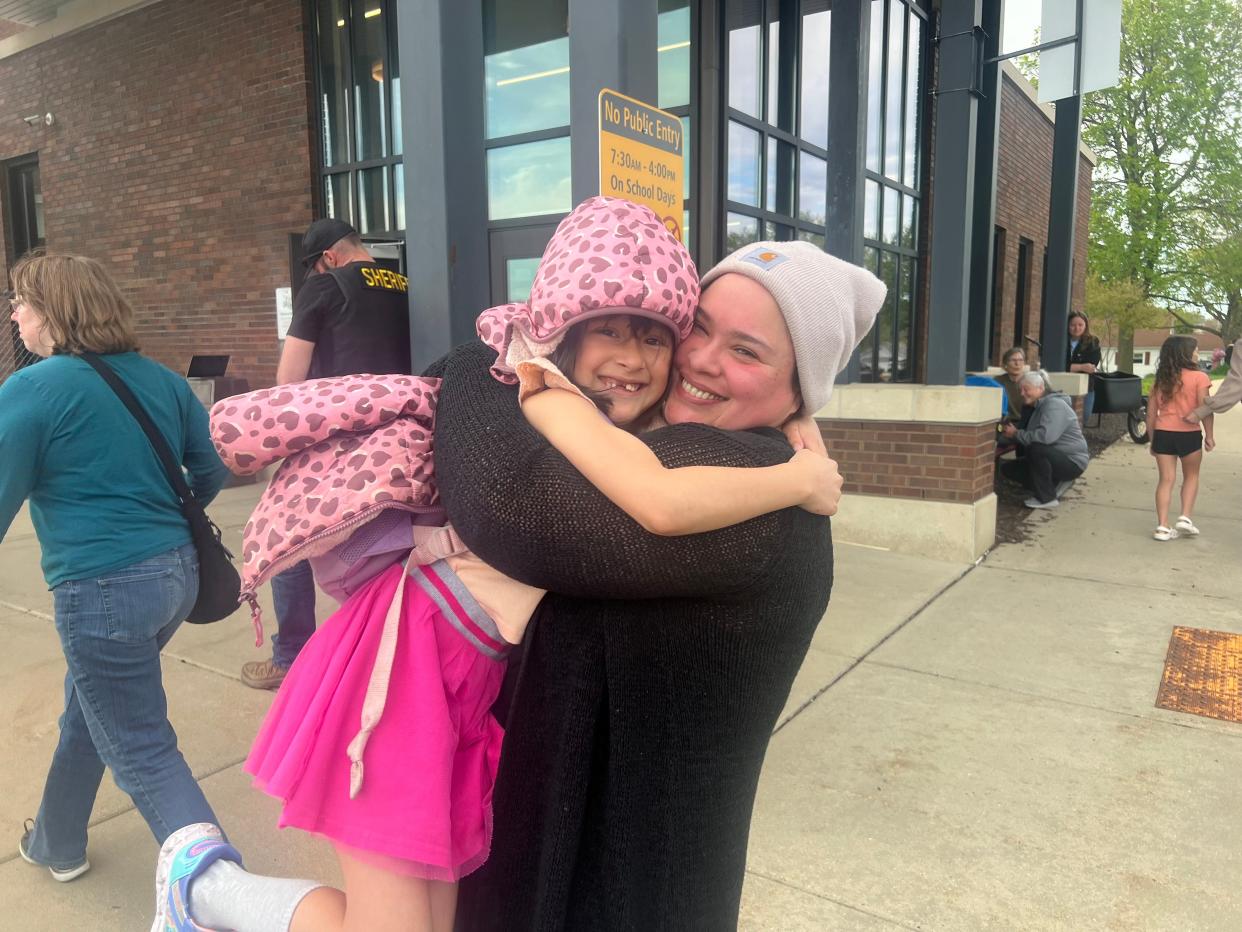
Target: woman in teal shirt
(117, 554)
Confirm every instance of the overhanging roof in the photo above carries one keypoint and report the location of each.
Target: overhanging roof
(26, 23)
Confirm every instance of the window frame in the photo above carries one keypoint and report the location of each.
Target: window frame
(352, 168)
(792, 225)
(902, 254)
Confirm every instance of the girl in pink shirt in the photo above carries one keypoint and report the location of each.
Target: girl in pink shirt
(1180, 387)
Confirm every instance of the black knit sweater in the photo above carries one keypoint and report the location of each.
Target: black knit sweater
(651, 680)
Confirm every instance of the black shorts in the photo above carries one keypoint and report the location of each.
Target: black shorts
(1177, 443)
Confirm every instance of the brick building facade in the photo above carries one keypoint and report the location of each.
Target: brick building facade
(180, 156)
(1023, 191)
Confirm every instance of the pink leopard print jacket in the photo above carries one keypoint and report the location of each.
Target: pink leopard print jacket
(353, 446)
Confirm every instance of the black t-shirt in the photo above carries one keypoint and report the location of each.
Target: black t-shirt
(358, 317)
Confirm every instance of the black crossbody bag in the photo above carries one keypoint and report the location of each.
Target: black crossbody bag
(219, 584)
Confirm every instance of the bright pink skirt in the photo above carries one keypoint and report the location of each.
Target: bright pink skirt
(425, 808)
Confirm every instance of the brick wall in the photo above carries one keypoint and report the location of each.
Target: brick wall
(181, 158)
(936, 462)
(1023, 191)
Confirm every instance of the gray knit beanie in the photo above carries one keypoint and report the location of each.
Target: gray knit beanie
(828, 304)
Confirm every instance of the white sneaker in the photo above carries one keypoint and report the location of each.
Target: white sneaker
(1186, 526)
(1063, 487)
(1033, 502)
(1164, 533)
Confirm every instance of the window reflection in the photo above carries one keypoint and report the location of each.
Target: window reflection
(812, 189)
(816, 35)
(743, 185)
(871, 211)
(779, 182)
(905, 319)
(892, 103)
(673, 51)
(373, 214)
(520, 276)
(875, 75)
(890, 232)
(740, 230)
(526, 65)
(338, 199)
(370, 87)
(529, 179)
(334, 79)
(774, 63)
(914, 83)
(398, 185)
(745, 56)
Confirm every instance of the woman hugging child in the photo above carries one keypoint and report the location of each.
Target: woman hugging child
(381, 738)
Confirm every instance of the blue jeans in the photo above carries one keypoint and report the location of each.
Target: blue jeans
(111, 628)
(1087, 404)
(293, 595)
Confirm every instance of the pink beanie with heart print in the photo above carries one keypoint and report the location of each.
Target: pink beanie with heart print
(608, 256)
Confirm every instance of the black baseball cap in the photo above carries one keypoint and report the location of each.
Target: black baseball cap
(321, 236)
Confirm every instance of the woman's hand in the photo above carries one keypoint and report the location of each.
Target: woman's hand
(803, 434)
(823, 480)
(1209, 444)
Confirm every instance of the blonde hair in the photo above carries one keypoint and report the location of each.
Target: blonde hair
(82, 308)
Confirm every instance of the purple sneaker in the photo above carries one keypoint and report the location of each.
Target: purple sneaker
(187, 853)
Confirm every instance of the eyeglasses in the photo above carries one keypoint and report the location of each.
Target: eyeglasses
(13, 300)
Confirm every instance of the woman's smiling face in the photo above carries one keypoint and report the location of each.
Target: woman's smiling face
(626, 362)
(736, 369)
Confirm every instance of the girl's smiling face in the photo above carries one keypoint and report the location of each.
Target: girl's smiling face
(626, 361)
(1077, 327)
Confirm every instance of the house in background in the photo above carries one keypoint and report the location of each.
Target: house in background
(1147, 345)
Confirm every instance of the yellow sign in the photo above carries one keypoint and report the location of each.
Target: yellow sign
(641, 156)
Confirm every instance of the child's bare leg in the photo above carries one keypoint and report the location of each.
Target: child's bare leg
(1190, 481)
(379, 900)
(443, 906)
(321, 910)
(1167, 465)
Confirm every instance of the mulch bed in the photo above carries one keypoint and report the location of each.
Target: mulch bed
(1011, 515)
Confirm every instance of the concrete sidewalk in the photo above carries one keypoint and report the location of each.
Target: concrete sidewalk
(966, 747)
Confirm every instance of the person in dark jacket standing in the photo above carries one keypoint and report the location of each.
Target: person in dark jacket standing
(654, 671)
(1056, 451)
(1083, 355)
(351, 317)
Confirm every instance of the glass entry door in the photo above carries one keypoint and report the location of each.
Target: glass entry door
(515, 256)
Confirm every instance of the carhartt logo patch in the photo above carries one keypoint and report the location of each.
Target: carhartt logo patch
(764, 257)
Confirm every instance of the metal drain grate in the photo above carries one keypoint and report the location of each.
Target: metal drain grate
(1203, 674)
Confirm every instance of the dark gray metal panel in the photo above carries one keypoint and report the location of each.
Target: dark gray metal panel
(441, 50)
(953, 208)
(1062, 211)
(987, 144)
(611, 45)
(848, 56)
(708, 131)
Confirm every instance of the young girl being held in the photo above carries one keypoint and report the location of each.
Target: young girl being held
(424, 645)
(1180, 387)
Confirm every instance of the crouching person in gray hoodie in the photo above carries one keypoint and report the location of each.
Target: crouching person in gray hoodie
(1056, 451)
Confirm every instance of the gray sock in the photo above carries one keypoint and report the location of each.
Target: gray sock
(226, 896)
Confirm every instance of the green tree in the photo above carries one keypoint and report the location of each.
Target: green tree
(1120, 307)
(1208, 293)
(1170, 147)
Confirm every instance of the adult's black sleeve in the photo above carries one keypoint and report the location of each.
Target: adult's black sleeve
(1092, 353)
(523, 508)
(318, 297)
